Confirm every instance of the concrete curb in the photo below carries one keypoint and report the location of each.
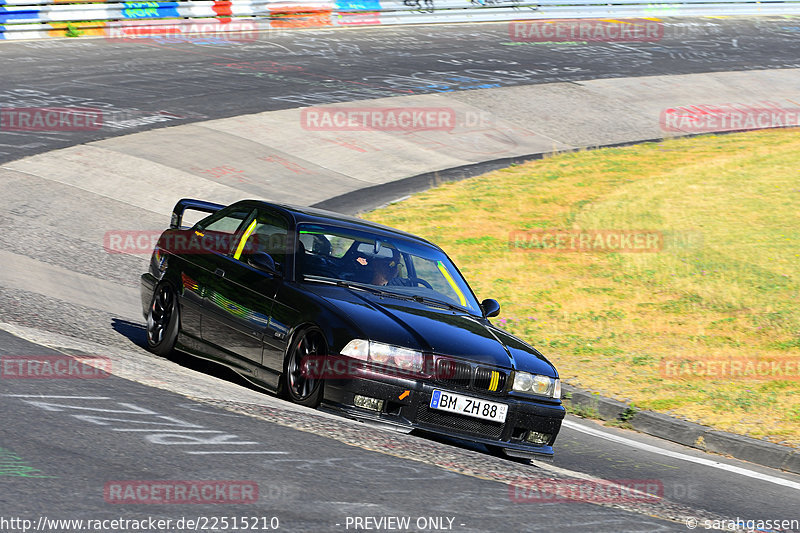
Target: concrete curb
(683, 432)
(369, 198)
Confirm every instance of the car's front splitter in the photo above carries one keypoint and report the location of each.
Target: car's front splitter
(406, 407)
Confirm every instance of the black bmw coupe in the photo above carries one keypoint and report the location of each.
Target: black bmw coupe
(375, 322)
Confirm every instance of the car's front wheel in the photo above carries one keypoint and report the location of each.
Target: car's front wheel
(162, 321)
(301, 383)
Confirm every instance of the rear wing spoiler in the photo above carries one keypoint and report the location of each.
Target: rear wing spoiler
(195, 205)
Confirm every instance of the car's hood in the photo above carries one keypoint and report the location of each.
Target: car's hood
(408, 323)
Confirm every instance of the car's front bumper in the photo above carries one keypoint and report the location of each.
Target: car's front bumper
(413, 412)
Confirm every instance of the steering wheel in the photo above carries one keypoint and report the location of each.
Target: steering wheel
(420, 281)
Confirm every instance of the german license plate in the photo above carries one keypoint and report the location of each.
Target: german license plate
(466, 405)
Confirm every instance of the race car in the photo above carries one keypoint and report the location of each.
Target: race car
(375, 322)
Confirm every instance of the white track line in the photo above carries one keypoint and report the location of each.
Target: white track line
(677, 455)
(237, 453)
(57, 397)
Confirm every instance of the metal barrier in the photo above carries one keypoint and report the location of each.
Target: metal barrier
(28, 19)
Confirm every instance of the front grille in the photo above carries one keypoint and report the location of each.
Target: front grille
(466, 376)
(454, 372)
(489, 379)
(458, 423)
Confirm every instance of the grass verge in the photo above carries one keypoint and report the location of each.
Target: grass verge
(723, 285)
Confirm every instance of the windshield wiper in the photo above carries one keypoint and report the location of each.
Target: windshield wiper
(377, 290)
(434, 302)
(349, 284)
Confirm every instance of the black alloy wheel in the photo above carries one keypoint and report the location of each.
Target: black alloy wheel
(162, 321)
(303, 383)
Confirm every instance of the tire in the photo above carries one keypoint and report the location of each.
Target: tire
(296, 385)
(162, 321)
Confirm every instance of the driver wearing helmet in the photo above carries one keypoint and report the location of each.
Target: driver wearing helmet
(385, 272)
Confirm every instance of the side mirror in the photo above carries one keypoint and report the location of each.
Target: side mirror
(490, 308)
(262, 261)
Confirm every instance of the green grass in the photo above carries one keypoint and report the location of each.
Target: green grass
(726, 283)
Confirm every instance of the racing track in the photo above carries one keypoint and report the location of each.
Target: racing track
(58, 285)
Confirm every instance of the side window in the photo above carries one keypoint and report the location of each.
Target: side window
(218, 231)
(316, 244)
(228, 224)
(268, 233)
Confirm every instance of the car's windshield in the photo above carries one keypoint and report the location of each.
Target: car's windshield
(396, 265)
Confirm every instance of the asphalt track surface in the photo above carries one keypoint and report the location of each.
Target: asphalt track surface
(177, 82)
(315, 472)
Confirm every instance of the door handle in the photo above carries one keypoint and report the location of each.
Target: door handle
(219, 272)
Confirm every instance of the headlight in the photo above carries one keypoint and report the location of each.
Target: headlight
(384, 354)
(537, 384)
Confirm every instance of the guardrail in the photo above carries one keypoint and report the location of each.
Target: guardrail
(28, 19)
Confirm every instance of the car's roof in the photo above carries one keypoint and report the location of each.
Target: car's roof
(322, 216)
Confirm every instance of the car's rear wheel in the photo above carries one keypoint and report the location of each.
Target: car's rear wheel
(162, 321)
(300, 385)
